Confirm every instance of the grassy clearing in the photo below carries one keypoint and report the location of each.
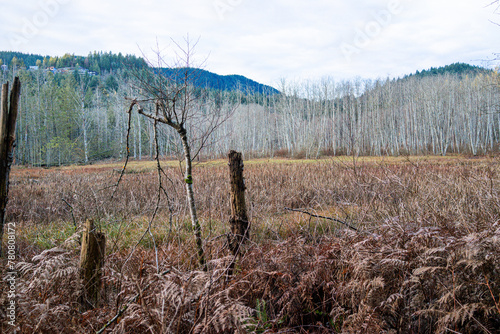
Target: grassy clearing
(426, 258)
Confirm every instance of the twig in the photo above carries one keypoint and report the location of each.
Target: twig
(455, 300)
(158, 199)
(124, 308)
(72, 214)
(323, 217)
(493, 295)
(132, 104)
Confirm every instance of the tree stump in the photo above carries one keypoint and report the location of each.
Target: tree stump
(91, 263)
(239, 220)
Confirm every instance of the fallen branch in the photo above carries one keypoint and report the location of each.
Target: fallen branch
(323, 217)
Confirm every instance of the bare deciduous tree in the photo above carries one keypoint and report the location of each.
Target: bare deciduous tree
(193, 113)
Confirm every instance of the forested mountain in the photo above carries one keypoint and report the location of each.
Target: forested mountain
(76, 116)
(206, 79)
(459, 69)
(102, 63)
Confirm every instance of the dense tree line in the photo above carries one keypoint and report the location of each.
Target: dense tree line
(98, 62)
(64, 119)
(7, 57)
(433, 115)
(76, 118)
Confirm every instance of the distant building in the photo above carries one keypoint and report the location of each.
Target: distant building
(4, 67)
(65, 69)
(33, 68)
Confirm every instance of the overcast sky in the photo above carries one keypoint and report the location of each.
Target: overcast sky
(265, 40)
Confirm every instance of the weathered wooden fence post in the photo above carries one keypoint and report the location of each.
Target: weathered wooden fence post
(8, 117)
(239, 220)
(91, 263)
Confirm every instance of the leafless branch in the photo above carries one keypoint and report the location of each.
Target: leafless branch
(323, 217)
(134, 102)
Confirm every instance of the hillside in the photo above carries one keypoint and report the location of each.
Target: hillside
(206, 79)
(106, 63)
(459, 69)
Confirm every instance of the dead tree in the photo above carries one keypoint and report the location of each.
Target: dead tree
(91, 263)
(8, 117)
(239, 220)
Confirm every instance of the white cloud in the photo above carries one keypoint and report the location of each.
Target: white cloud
(266, 40)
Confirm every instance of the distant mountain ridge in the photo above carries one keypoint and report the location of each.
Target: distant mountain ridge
(454, 69)
(106, 62)
(103, 63)
(207, 79)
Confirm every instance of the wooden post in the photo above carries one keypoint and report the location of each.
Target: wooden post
(239, 220)
(8, 118)
(91, 263)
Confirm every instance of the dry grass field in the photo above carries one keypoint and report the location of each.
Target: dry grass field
(425, 257)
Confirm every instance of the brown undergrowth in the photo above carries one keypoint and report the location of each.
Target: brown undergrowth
(426, 258)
